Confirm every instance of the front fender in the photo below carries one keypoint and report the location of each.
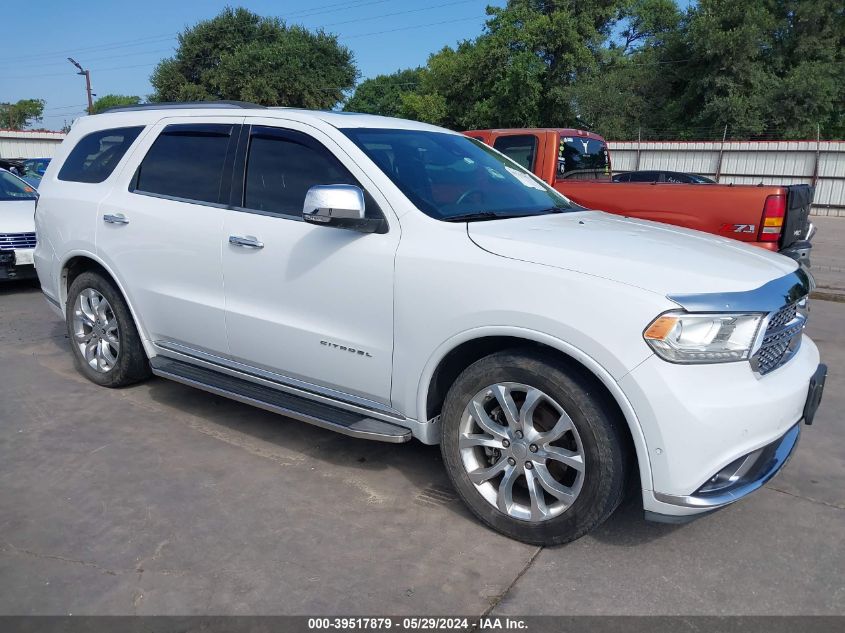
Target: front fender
(431, 432)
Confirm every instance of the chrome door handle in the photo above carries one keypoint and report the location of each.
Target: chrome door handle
(247, 242)
(116, 218)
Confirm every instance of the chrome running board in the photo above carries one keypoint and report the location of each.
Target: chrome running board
(275, 401)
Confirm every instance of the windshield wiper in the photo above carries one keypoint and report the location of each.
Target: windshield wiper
(477, 215)
(493, 215)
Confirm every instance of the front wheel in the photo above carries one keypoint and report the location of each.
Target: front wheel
(533, 447)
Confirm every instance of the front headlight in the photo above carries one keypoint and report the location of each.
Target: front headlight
(681, 337)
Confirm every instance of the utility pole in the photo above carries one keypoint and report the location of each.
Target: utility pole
(87, 73)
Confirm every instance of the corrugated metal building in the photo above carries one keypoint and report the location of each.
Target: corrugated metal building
(29, 144)
(747, 163)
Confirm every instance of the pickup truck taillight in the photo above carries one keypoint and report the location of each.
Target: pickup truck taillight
(774, 211)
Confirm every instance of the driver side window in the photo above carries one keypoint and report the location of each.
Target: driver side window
(282, 165)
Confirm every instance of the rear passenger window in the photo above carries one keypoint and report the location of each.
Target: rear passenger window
(186, 161)
(521, 149)
(281, 168)
(95, 156)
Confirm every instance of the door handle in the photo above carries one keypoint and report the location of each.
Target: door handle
(116, 218)
(246, 242)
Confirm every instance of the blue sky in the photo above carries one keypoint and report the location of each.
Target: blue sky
(121, 41)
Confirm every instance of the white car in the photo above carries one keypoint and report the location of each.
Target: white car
(17, 227)
(393, 280)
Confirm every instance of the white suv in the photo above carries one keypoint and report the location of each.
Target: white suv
(392, 280)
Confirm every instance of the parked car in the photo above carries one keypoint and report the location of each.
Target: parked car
(553, 352)
(32, 179)
(36, 165)
(677, 177)
(578, 164)
(17, 227)
(13, 165)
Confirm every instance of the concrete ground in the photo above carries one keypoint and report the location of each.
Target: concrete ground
(828, 257)
(161, 499)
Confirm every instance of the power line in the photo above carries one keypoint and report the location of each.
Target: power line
(388, 15)
(345, 37)
(124, 44)
(67, 107)
(408, 28)
(166, 50)
(302, 13)
(95, 59)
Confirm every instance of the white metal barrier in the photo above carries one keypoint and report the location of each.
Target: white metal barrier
(29, 143)
(818, 163)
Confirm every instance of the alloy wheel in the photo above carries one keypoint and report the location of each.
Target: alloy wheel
(521, 451)
(95, 330)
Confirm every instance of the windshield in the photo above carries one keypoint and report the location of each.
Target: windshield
(13, 188)
(450, 176)
(581, 153)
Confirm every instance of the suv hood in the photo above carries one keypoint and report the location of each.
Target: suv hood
(657, 257)
(17, 216)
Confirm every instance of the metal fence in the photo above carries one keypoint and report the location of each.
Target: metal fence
(818, 163)
(29, 144)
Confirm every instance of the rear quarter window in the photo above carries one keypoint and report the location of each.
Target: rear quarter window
(521, 149)
(95, 156)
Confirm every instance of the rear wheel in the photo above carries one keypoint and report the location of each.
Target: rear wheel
(532, 448)
(103, 335)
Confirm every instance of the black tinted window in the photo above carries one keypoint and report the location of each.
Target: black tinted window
(282, 168)
(577, 153)
(186, 161)
(96, 155)
(645, 176)
(521, 149)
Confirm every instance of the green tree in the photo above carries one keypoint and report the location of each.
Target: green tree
(22, 114)
(633, 86)
(809, 46)
(113, 101)
(518, 72)
(774, 67)
(383, 94)
(729, 72)
(242, 56)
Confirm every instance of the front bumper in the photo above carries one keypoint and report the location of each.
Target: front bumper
(741, 477)
(11, 268)
(701, 421)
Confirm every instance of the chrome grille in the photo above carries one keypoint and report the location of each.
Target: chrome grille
(9, 241)
(782, 338)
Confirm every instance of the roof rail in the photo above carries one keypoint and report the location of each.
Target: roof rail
(183, 105)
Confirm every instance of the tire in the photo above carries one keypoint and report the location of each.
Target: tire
(106, 332)
(554, 407)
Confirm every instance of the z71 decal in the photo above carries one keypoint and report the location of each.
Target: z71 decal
(738, 228)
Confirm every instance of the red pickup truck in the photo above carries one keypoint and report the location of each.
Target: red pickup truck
(577, 163)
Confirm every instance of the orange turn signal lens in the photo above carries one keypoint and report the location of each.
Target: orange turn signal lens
(660, 327)
(773, 222)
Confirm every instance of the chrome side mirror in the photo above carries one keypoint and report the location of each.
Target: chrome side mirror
(335, 205)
